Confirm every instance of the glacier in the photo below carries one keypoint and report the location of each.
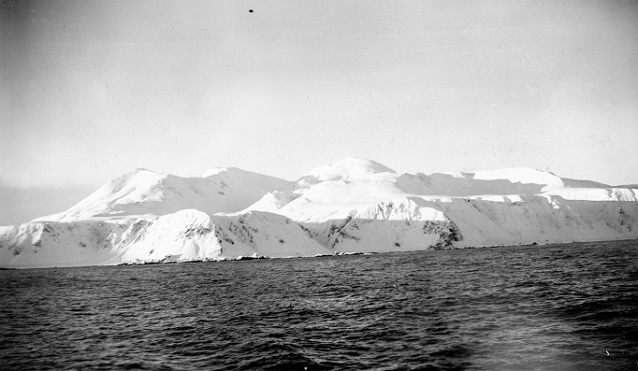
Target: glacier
(352, 206)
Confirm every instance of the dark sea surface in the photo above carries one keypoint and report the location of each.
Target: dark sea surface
(560, 307)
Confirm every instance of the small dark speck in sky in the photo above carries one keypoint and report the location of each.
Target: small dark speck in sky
(250, 10)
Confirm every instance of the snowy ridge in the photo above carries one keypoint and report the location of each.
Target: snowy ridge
(142, 192)
(523, 176)
(353, 205)
(349, 168)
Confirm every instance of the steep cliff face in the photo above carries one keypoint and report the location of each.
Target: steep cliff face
(187, 235)
(50, 244)
(398, 225)
(191, 235)
(540, 219)
(352, 206)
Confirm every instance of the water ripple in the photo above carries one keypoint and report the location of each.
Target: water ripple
(563, 307)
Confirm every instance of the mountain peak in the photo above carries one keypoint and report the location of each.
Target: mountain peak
(217, 171)
(349, 168)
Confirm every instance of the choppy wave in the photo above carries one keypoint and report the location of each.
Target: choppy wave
(562, 307)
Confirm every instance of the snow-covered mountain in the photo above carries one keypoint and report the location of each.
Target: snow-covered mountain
(354, 205)
(143, 191)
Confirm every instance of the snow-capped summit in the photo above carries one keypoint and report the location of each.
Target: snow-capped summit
(348, 169)
(143, 192)
(228, 171)
(131, 183)
(120, 195)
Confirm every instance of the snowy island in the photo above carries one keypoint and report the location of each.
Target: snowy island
(354, 205)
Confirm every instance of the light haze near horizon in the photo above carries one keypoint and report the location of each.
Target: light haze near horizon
(92, 89)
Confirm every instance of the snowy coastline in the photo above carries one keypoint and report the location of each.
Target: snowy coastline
(353, 206)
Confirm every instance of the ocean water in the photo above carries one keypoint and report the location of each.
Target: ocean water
(561, 307)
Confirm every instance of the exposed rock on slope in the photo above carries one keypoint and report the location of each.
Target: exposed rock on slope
(399, 225)
(187, 235)
(352, 206)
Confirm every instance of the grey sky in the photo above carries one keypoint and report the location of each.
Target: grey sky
(92, 89)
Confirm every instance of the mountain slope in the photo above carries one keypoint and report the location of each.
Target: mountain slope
(353, 205)
(142, 191)
(187, 235)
